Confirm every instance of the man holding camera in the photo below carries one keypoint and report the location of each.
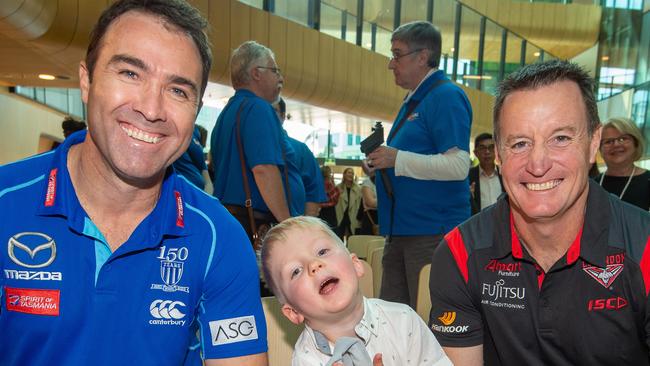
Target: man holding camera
(423, 192)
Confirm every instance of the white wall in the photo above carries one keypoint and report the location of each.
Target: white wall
(22, 124)
(620, 105)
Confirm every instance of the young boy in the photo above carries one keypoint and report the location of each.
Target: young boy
(316, 280)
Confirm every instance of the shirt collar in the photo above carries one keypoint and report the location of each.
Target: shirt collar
(58, 198)
(430, 77)
(483, 173)
(590, 244)
(365, 329)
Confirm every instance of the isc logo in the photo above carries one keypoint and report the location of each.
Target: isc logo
(613, 303)
(233, 330)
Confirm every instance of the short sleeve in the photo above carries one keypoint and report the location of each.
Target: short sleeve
(261, 135)
(454, 319)
(425, 344)
(231, 318)
(450, 123)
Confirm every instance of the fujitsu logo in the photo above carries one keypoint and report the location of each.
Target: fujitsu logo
(613, 303)
(499, 291)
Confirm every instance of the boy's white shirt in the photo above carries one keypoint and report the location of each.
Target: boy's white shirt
(392, 329)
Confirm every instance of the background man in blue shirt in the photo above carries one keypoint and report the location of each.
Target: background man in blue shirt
(426, 160)
(276, 190)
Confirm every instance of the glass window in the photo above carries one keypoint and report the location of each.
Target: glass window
(414, 10)
(330, 20)
(513, 53)
(491, 56)
(380, 12)
(382, 39)
(470, 30)
(254, 3)
(444, 17)
(366, 40)
(296, 11)
(351, 29)
(533, 53)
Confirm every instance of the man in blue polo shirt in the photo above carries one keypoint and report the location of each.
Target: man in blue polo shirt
(192, 166)
(248, 140)
(110, 258)
(426, 161)
(312, 178)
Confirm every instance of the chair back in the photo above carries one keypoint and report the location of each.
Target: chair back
(358, 244)
(365, 282)
(377, 268)
(423, 301)
(282, 334)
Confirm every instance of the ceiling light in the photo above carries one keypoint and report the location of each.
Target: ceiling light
(453, 49)
(477, 77)
(536, 54)
(46, 76)
(605, 58)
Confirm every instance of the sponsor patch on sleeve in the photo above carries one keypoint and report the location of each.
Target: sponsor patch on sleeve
(33, 301)
(233, 330)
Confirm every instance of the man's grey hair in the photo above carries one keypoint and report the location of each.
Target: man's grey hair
(421, 35)
(248, 55)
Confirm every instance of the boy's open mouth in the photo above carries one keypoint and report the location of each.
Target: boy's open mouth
(328, 285)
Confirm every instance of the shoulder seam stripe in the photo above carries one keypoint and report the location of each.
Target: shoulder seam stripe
(214, 234)
(30, 158)
(457, 247)
(645, 266)
(20, 186)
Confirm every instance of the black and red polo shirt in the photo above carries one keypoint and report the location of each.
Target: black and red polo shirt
(590, 308)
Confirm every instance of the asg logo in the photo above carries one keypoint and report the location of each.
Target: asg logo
(233, 330)
(20, 249)
(167, 312)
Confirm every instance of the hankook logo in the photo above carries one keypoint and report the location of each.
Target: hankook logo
(24, 243)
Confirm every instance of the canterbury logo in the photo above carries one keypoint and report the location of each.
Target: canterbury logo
(166, 309)
(448, 317)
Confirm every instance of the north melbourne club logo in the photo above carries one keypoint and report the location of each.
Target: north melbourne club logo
(171, 269)
(605, 276)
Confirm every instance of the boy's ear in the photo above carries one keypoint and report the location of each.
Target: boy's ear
(292, 314)
(358, 266)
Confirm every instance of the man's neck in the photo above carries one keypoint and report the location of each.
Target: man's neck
(114, 206)
(548, 240)
(488, 168)
(622, 170)
(342, 324)
(424, 74)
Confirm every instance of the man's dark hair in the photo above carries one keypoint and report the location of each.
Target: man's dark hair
(420, 34)
(177, 13)
(482, 137)
(541, 74)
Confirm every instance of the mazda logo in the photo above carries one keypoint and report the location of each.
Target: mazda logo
(18, 242)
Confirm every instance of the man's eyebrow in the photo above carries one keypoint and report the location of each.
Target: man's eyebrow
(133, 61)
(175, 79)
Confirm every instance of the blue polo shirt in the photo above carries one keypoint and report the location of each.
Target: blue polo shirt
(66, 299)
(312, 178)
(441, 121)
(192, 163)
(263, 141)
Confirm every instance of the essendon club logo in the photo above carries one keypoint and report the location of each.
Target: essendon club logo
(606, 276)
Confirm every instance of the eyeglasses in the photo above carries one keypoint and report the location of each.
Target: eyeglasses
(397, 56)
(276, 70)
(621, 140)
(485, 148)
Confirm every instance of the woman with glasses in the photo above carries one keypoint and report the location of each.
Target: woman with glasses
(621, 145)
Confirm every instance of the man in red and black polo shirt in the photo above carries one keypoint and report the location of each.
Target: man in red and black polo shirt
(557, 272)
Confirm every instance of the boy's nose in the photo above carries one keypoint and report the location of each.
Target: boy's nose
(314, 266)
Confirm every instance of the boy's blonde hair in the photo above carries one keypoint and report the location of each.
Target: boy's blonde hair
(279, 233)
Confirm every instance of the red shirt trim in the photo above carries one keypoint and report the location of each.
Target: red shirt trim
(458, 251)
